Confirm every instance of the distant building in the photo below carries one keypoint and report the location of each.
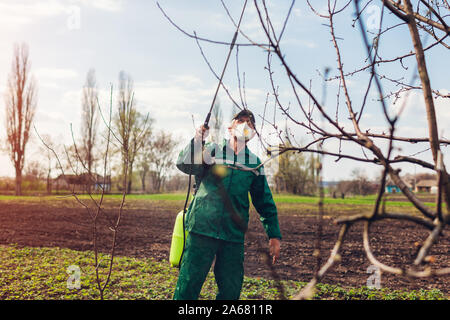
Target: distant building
(391, 187)
(82, 183)
(428, 185)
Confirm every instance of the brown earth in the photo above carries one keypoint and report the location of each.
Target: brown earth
(146, 228)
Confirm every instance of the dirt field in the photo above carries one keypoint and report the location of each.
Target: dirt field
(146, 228)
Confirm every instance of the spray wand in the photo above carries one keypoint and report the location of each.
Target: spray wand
(208, 116)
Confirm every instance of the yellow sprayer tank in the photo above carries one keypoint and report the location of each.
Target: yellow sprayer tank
(176, 248)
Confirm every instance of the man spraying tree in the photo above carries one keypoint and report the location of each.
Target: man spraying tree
(218, 216)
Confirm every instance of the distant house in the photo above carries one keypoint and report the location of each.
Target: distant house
(391, 187)
(428, 185)
(82, 182)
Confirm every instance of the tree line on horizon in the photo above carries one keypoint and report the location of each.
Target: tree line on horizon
(150, 155)
(150, 152)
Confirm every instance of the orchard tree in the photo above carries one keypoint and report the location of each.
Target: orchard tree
(132, 127)
(158, 158)
(89, 123)
(20, 102)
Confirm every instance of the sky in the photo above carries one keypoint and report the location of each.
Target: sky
(174, 85)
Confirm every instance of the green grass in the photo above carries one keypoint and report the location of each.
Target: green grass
(281, 198)
(41, 273)
(357, 200)
(278, 198)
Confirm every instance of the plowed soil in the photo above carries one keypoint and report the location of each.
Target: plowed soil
(146, 230)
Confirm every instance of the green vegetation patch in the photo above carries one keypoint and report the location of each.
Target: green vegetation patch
(360, 200)
(43, 273)
(282, 200)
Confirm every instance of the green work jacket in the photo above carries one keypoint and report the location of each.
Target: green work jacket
(208, 213)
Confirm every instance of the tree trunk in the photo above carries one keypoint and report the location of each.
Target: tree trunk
(428, 97)
(130, 179)
(18, 182)
(49, 184)
(143, 174)
(90, 180)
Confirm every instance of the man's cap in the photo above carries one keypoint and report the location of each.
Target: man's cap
(245, 113)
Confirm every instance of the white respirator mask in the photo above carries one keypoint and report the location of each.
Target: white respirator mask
(243, 131)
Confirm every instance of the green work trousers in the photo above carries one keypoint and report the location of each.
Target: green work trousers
(197, 260)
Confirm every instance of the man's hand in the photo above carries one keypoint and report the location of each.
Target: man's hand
(201, 133)
(274, 249)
